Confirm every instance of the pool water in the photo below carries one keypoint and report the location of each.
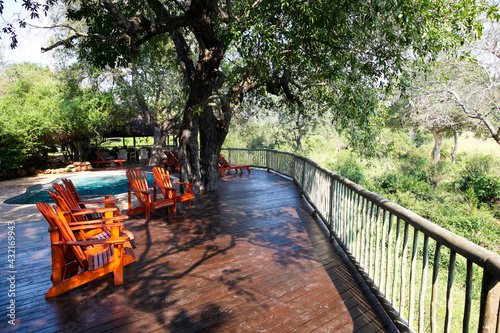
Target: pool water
(87, 184)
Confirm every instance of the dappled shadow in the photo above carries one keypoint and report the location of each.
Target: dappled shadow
(247, 257)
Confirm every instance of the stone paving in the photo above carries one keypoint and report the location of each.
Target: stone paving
(18, 186)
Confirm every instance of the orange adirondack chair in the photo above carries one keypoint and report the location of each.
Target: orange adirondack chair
(137, 183)
(172, 160)
(224, 166)
(163, 182)
(75, 214)
(101, 160)
(109, 200)
(74, 262)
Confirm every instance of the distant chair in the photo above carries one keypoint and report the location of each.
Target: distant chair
(122, 154)
(138, 183)
(101, 160)
(132, 155)
(143, 154)
(224, 166)
(172, 160)
(163, 182)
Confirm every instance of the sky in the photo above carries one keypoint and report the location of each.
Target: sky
(30, 39)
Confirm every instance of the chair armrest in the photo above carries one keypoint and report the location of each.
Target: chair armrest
(117, 240)
(86, 211)
(115, 218)
(97, 201)
(106, 196)
(167, 188)
(98, 225)
(179, 183)
(189, 186)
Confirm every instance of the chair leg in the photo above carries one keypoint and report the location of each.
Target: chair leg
(57, 264)
(129, 199)
(118, 265)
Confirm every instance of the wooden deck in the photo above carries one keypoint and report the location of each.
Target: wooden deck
(248, 258)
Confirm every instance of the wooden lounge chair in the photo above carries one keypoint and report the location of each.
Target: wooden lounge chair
(74, 262)
(107, 199)
(163, 182)
(76, 214)
(102, 160)
(137, 183)
(224, 166)
(172, 160)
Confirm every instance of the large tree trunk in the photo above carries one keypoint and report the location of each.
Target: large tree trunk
(212, 136)
(438, 142)
(188, 149)
(455, 146)
(159, 146)
(204, 80)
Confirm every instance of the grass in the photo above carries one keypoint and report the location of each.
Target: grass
(467, 143)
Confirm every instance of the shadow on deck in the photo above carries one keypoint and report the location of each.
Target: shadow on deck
(248, 258)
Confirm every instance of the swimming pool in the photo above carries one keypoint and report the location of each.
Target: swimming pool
(94, 183)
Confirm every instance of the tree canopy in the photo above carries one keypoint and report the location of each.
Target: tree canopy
(335, 53)
(29, 96)
(39, 110)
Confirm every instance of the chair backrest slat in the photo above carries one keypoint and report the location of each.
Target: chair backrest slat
(55, 218)
(62, 204)
(68, 201)
(99, 155)
(138, 182)
(222, 162)
(71, 188)
(162, 177)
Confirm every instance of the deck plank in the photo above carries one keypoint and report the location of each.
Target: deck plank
(248, 258)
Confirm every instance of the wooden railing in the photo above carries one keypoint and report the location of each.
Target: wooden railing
(431, 279)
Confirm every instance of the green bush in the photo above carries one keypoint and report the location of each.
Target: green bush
(351, 168)
(479, 176)
(394, 183)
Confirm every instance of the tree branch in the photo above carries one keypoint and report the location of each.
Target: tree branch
(185, 58)
(122, 21)
(69, 40)
(150, 14)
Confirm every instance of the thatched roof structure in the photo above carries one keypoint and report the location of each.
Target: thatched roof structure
(136, 127)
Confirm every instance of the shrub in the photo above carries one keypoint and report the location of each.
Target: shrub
(478, 175)
(396, 183)
(350, 168)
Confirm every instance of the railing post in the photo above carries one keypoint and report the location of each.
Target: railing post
(331, 213)
(490, 299)
(303, 176)
(267, 161)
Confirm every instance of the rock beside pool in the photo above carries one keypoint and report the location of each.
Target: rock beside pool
(79, 166)
(73, 167)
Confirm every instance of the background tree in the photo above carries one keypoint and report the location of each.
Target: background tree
(427, 105)
(87, 109)
(29, 101)
(39, 109)
(460, 93)
(280, 123)
(154, 86)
